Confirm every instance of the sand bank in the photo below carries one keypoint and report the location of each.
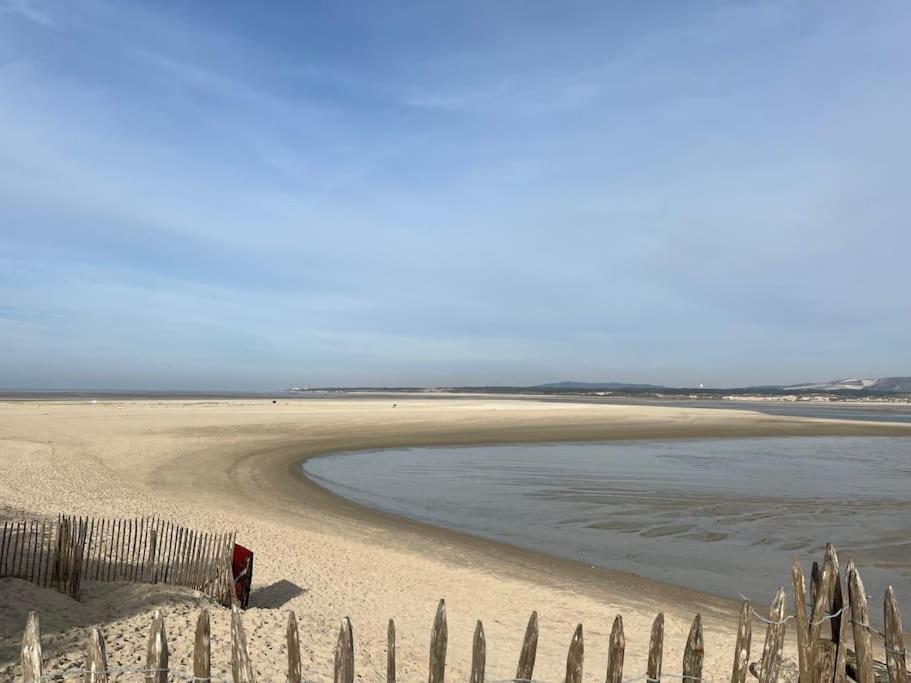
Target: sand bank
(222, 465)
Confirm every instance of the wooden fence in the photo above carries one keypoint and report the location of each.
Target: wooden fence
(64, 553)
(823, 654)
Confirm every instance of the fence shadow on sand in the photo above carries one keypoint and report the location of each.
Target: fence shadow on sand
(822, 639)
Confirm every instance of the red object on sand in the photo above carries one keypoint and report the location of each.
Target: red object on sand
(242, 569)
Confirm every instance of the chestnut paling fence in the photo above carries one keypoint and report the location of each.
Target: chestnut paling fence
(837, 605)
(65, 553)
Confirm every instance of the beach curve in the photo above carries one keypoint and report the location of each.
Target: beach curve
(238, 464)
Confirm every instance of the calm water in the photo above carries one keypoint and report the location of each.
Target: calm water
(721, 516)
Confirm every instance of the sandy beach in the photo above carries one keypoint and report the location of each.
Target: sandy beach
(226, 465)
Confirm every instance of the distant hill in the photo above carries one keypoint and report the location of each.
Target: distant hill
(900, 385)
(881, 385)
(596, 386)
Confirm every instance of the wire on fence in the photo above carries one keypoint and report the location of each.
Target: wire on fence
(638, 679)
(117, 670)
(788, 618)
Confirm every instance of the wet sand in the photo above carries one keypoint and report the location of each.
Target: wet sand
(720, 515)
(220, 465)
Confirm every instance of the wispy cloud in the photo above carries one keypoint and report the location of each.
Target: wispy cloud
(26, 9)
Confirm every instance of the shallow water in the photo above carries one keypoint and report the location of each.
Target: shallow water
(721, 516)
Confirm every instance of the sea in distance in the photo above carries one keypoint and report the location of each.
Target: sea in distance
(723, 516)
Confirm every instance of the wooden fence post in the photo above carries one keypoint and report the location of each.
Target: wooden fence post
(615, 651)
(58, 555)
(167, 552)
(742, 647)
(895, 645)
(820, 605)
(157, 651)
(799, 591)
(15, 533)
(48, 551)
(79, 557)
(96, 659)
(153, 558)
(860, 620)
(815, 578)
(43, 551)
(774, 640)
(824, 663)
(694, 653)
(344, 654)
(241, 668)
(202, 648)
(30, 656)
(438, 639)
(3, 549)
(575, 657)
(478, 655)
(121, 533)
(655, 649)
(841, 639)
(135, 526)
(390, 652)
(525, 669)
(294, 649)
(36, 539)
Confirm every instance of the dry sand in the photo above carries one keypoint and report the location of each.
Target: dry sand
(232, 465)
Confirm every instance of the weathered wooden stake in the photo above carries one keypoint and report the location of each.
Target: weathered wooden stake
(30, 656)
(526, 668)
(47, 555)
(121, 533)
(241, 667)
(390, 652)
(799, 593)
(294, 650)
(694, 653)
(860, 618)
(153, 557)
(33, 552)
(615, 650)
(344, 654)
(895, 645)
(655, 649)
(134, 543)
(3, 549)
(202, 648)
(478, 654)
(742, 647)
(168, 553)
(157, 652)
(841, 639)
(17, 548)
(824, 662)
(438, 638)
(820, 605)
(96, 659)
(575, 657)
(774, 640)
(815, 578)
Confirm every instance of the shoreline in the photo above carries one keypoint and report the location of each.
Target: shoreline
(235, 466)
(289, 459)
(699, 537)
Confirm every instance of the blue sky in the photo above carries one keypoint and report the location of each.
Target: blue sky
(248, 196)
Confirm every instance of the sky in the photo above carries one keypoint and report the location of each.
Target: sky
(257, 195)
